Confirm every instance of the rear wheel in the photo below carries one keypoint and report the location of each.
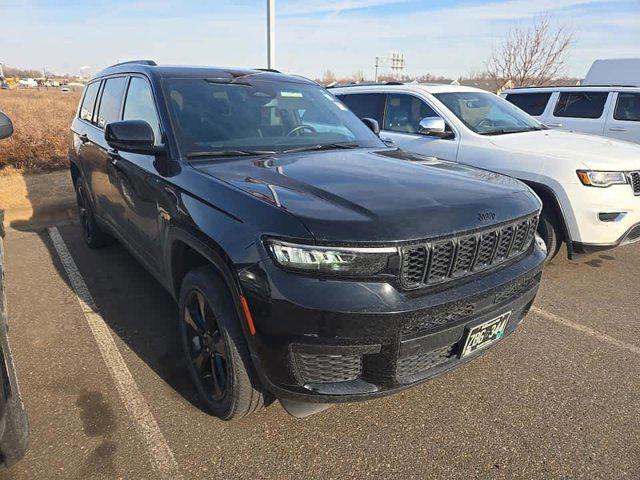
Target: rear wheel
(550, 233)
(93, 235)
(215, 349)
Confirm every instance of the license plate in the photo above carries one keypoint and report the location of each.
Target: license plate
(485, 334)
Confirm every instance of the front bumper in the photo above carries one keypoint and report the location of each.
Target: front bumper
(632, 235)
(589, 232)
(327, 341)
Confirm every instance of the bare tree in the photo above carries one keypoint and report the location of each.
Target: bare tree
(530, 56)
(358, 76)
(328, 78)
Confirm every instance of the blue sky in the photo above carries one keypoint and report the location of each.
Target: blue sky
(440, 37)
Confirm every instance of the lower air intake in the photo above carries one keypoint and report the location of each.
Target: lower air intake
(324, 368)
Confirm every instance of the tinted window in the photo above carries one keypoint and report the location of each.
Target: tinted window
(628, 107)
(532, 103)
(111, 100)
(404, 112)
(139, 105)
(86, 109)
(581, 104)
(365, 105)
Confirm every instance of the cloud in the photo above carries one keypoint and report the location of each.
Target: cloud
(322, 6)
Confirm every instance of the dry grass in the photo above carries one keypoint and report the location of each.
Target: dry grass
(41, 121)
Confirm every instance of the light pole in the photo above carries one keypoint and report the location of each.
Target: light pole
(271, 33)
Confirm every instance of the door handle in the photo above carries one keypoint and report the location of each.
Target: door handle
(84, 138)
(557, 125)
(617, 129)
(388, 141)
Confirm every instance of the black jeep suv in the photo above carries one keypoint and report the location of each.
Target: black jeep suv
(310, 262)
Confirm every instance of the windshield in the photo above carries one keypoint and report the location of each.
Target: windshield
(247, 115)
(487, 114)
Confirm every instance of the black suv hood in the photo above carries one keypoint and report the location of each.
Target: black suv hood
(364, 195)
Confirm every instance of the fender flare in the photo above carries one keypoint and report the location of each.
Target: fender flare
(214, 255)
(547, 194)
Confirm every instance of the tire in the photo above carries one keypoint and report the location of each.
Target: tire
(94, 236)
(549, 231)
(215, 349)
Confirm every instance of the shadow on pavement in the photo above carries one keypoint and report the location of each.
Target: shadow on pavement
(134, 305)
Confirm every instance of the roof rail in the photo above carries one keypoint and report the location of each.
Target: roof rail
(363, 84)
(575, 86)
(273, 70)
(139, 62)
(303, 77)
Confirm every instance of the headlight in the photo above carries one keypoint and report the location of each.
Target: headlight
(601, 179)
(334, 260)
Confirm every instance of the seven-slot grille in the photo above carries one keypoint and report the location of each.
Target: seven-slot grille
(634, 180)
(448, 259)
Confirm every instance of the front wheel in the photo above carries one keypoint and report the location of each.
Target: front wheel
(550, 233)
(215, 349)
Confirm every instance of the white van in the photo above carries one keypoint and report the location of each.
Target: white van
(589, 186)
(611, 111)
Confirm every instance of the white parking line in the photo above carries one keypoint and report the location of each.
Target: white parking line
(161, 455)
(589, 331)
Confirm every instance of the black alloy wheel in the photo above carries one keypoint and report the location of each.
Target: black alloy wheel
(207, 348)
(215, 348)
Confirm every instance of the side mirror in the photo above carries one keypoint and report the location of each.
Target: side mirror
(6, 127)
(434, 127)
(372, 124)
(135, 136)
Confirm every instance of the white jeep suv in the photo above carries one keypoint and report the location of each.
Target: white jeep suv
(590, 186)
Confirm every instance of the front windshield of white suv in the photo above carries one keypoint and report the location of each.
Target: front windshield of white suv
(218, 117)
(487, 114)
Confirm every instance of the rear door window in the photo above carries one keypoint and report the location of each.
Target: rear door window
(581, 104)
(111, 101)
(89, 101)
(139, 105)
(365, 105)
(627, 107)
(404, 112)
(532, 103)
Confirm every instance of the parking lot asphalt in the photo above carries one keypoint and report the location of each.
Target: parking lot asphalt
(558, 399)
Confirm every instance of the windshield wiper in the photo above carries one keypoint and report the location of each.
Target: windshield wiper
(230, 153)
(322, 146)
(504, 131)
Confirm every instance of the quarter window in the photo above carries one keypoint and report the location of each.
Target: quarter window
(365, 105)
(532, 103)
(404, 112)
(111, 101)
(581, 104)
(139, 105)
(628, 107)
(89, 101)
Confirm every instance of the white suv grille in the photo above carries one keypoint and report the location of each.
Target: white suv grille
(634, 180)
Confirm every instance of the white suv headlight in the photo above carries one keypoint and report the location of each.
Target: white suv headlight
(592, 178)
(333, 260)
